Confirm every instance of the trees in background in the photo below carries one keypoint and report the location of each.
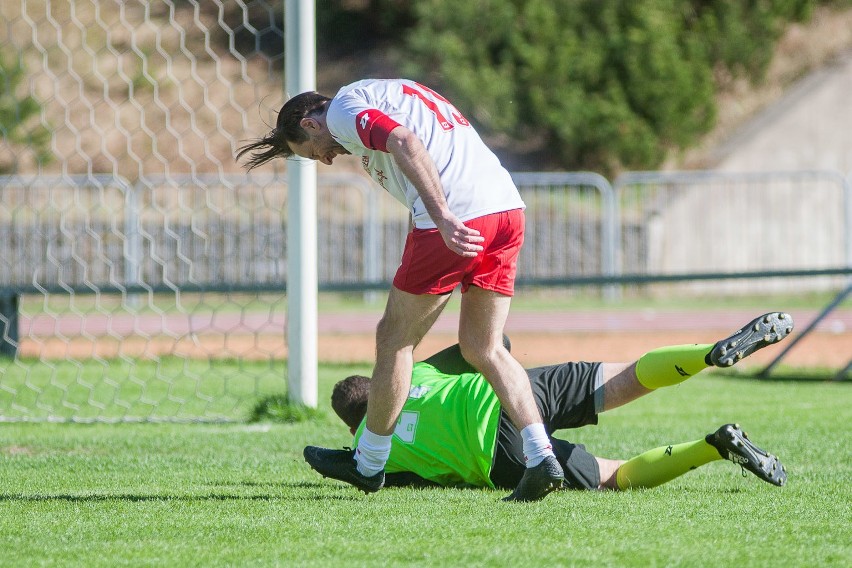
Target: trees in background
(19, 125)
(584, 84)
(594, 84)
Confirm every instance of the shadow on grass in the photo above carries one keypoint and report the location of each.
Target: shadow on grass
(728, 490)
(792, 376)
(257, 484)
(132, 497)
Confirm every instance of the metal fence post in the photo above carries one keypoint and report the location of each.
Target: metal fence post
(132, 241)
(372, 244)
(847, 199)
(610, 241)
(827, 310)
(9, 338)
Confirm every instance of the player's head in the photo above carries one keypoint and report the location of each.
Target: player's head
(349, 400)
(288, 130)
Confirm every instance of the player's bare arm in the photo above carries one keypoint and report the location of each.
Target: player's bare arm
(415, 162)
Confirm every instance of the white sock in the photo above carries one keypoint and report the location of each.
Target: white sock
(537, 444)
(372, 453)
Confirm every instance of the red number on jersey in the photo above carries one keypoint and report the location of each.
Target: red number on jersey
(430, 104)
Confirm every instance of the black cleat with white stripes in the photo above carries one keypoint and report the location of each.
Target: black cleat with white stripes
(767, 329)
(733, 445)
(340, 465)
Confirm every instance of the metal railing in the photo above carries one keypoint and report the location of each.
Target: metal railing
(102, 234)
(99, 232)
(735, 223)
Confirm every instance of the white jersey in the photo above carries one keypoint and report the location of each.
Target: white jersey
(361, 116)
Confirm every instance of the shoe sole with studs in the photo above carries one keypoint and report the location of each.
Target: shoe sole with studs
(767, 329)
(733, 445)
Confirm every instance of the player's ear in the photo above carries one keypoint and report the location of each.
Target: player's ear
(309, 123)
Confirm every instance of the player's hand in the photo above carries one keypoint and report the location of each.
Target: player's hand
(461, 239)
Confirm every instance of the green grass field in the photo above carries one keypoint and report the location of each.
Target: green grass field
(241, 495)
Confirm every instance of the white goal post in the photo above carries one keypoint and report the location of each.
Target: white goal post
(300, 73)
(114, 110)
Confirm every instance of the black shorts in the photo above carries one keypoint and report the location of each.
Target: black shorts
(565, 397)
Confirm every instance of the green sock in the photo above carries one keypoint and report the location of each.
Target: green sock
(669, 366)
(663, 464)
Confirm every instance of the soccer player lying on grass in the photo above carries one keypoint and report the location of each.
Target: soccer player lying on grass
(452, 431)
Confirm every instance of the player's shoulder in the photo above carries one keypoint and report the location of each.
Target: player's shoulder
(373, 84)
(423, 372)
(372, 90)
(352, 99)
(362, 86)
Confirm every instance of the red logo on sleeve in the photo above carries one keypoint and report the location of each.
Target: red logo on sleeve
(373, 128)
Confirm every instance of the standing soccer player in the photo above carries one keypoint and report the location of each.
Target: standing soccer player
(468, 229)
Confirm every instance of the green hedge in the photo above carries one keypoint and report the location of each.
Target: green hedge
(594, 84)
(19, 114)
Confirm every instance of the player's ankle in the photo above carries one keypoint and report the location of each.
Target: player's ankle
(537, 445)
(372, 453)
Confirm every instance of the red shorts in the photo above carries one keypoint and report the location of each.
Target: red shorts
(429, 267)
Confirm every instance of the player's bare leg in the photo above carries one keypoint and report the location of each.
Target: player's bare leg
(483, 317)
(406, 320)
(608, 469)
(620, 385)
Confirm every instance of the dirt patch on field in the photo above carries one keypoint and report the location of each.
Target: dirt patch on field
(532, 349)
(17, 451)
(822, 349)
(538, 337)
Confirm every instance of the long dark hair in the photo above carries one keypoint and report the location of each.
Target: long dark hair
(287, 129)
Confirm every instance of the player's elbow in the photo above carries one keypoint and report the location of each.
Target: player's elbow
(403, 141)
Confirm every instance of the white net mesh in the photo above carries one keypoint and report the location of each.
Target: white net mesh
(145, 88)
(118, 205)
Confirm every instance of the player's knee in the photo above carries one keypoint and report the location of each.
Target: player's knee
(395, 334)
(480, 355)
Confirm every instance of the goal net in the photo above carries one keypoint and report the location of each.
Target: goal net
(142, 271)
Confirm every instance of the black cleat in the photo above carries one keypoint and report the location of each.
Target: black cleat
(760, 332)
(538, 481)
(733, 445)
(341, 465)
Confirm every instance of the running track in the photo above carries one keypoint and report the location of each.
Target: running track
(177, 325)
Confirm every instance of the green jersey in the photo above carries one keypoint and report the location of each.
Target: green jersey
(447, 430)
